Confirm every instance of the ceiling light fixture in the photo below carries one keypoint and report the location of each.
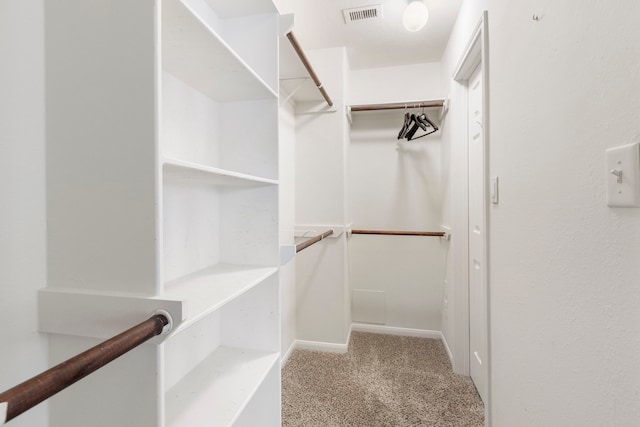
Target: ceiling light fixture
(415, 16)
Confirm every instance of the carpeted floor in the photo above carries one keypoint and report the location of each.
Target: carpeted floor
(383, 380)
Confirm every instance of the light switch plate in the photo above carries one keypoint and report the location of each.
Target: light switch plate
(623, 176)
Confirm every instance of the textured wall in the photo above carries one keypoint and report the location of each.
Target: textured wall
(22, 191)
(565, 323)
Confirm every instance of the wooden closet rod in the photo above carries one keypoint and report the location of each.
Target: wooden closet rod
(400, 233)
(307, 65)
(398, 105)
(28, 394)
(313, 240)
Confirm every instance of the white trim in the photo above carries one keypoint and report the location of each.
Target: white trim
(392, 330)
(285, 357)
(468, 62)
(287, 253)
(3, 412)
(460, 222)
(472, 55)
(328, 347)
(475, 54)
(313, 230)
(362, 327)
(446, 347)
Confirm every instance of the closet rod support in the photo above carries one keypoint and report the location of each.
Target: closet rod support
(305, 61)
(293, 92)
(313, 240)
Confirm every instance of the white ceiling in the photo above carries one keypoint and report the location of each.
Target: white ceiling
(375, 42)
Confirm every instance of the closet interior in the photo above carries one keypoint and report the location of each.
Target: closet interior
(177, 159)
(217, 181)
(385, 270)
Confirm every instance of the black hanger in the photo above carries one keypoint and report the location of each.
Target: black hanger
(413, 122)
(420, 120)
(424, 122)
(405, 126)
(425, 119)
(414, 128)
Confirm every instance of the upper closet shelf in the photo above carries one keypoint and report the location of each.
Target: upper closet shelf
(188, 170)
(193, 52)
(207, 290)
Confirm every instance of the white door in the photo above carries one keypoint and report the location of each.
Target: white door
(477, 265)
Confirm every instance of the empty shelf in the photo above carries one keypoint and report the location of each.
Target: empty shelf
(189, 170)
(193, 52)
(216, 391)
(209, 289)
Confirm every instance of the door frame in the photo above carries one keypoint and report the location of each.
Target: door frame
(474, 55)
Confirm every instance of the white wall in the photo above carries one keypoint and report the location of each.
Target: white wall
(320, 146)
(397, 280)
(565, 317)
(395, 186)
(415, 82)
(322, 298)
(287, 207)
(22, 190)
(321, 302)
(405, 275)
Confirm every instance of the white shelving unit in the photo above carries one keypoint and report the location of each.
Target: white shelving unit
(163, 184)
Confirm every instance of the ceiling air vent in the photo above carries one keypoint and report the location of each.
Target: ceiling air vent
(362, 13)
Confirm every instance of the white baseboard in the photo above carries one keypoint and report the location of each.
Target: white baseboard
(321, 346)
(446, 347)
(362, 327)
(285, 357)
(392, 330)
(317, 346)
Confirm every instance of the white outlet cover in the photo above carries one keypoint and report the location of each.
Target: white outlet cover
(624, 159)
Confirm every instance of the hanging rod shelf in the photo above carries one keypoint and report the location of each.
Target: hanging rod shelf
(26, 395)
(437, 103)
(313, 240)
(307, 65)
(401, 233)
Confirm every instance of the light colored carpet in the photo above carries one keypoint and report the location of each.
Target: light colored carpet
(383, 380)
